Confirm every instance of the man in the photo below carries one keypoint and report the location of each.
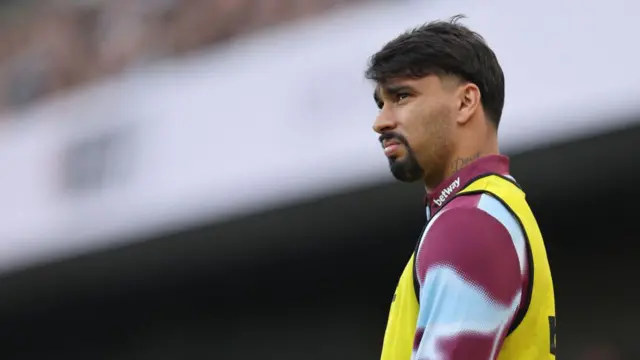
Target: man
(478, 285)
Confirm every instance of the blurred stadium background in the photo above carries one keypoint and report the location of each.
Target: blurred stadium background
(197, 179)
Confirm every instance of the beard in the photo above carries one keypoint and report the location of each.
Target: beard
(407, 168)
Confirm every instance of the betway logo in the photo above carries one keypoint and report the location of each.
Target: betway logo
(446, 192)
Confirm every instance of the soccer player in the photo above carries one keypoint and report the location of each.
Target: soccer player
(478, 285)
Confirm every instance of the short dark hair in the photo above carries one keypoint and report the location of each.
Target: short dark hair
(443, 48)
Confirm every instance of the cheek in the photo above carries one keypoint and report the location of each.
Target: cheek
(411, 118)
(418, 126)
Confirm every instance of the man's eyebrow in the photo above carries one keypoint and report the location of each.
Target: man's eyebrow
(389, 90)
(392, 89)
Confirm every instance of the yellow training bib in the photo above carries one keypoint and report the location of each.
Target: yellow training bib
(532, 335)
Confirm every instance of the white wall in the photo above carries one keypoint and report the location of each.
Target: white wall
(286, 115)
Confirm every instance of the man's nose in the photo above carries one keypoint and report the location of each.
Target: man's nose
(383, 124)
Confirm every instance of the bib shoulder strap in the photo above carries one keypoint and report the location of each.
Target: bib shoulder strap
(501, 186)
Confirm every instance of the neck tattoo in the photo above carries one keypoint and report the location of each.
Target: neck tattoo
(461, 162)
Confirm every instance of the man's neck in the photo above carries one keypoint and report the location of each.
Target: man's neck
(449, 187)
(456, 165)
(459, 162)
(469, 148)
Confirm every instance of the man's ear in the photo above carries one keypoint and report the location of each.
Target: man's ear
(469, 102)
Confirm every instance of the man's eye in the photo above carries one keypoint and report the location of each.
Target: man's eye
(401, 96)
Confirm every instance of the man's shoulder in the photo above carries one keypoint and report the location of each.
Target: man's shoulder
(459, 210)
(468, 224)
(463, 217)
(472, 209)
(466, 237)
(472, 229)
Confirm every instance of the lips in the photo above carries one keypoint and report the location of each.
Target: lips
(390, 142)
(390, 146)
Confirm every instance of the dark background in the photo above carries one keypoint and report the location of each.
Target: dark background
(314, 280)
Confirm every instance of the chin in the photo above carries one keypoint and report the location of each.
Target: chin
(406, 171)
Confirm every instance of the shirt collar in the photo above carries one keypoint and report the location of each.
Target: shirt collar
(490, 164)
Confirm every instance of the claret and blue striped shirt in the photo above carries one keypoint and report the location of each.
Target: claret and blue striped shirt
(470, 291)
